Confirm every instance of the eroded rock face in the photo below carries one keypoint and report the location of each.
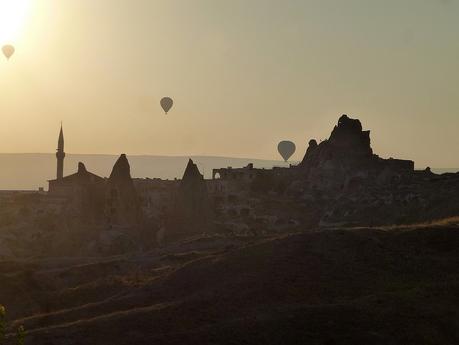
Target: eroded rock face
(348, 145)
(349, 136)
(421, 198)
(346, 159)
(121, 170)
(192, 211)
(122, 201)
(311, 148)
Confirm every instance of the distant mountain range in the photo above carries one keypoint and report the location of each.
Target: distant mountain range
(28, 171)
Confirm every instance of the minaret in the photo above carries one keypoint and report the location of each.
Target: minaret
(60, 155)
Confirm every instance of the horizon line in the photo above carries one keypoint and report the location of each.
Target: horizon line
(145, 154)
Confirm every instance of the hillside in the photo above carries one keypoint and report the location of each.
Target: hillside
(363, 286)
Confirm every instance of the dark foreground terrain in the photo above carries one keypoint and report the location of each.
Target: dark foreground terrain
(365, 286)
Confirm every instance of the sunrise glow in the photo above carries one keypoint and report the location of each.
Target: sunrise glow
(13, 14)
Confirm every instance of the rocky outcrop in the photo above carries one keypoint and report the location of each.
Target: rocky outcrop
(192, 213)
(121, 170)
(348, 145)
(122, 202)
(349, 136)
(346, 158)
(311, 148)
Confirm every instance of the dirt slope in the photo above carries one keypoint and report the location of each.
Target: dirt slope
(331, 287)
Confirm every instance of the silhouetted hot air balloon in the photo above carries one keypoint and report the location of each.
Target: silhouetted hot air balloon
(166, 104)
(286, 149)
(8, 51)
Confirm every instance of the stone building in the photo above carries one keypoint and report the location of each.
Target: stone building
(76, 183)
(156, 196)
(82, 192)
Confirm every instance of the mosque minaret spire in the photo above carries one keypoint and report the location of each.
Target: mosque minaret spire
(60, 155)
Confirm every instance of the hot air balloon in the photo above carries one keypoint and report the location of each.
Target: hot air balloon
(286, 149)
(166, 104)
(8, 51)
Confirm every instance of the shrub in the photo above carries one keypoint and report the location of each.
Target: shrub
(20, 332)
(2, 324)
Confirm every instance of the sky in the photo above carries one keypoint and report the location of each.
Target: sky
(244, 74)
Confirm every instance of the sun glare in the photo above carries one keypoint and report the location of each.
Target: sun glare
(12, 19)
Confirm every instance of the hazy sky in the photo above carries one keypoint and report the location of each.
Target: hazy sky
(244, 74)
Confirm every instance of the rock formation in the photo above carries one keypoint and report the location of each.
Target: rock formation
(122, 202)
(348, 144)
(192, 212)
(312, 146)
(346, 158)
